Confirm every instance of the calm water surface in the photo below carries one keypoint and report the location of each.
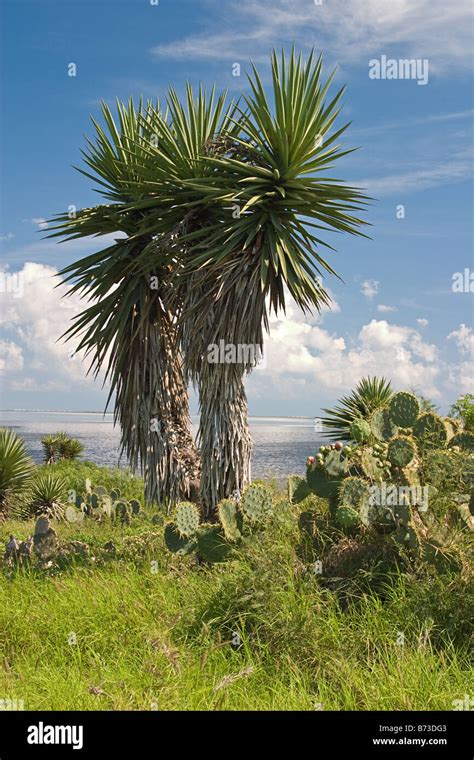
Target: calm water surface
(281, 444)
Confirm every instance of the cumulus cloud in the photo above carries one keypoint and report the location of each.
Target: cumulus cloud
(423, 322)
(35, 321)
(383, 308)
(11, 357)
(301, 355)
(369, 288)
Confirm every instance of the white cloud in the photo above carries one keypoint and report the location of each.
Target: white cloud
(455, 169)
(384, 308)
(7, 236)
(423, 322)
(301, 356)
(350, 31)
(369, 288)
(11, 357)
(464, 338)
(42, 223)
(37, 320)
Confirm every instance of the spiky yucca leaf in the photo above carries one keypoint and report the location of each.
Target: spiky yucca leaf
(16, 469)
(370, 394)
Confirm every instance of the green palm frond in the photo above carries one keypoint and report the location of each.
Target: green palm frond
(370, 394)
(16, 469)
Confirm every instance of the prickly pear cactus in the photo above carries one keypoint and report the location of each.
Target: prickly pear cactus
(176, 543)
(335, 465)
(360, 430)
(123, 512)
(401, 451)
(135, 506)
(100, 491)
(353, 492)
(404, 409)
(256, 503)
(187, 519)
(382, 426)
(347, 518)
(298, 489)
(45, 542)
(211, 544)
(430, 431)
(229, 518)
(464, 440)
(370, 464)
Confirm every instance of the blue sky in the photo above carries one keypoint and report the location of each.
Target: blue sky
(395, 313)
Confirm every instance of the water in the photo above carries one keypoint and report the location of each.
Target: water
(281, 444)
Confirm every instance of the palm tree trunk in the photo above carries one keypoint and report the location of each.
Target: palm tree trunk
(224, 435)
(152, 409)
(224, 310)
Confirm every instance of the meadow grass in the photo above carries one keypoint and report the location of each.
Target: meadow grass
(145, 630)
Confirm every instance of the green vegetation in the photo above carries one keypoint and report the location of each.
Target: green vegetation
(314, 598)
(60, 446)
(133, 626)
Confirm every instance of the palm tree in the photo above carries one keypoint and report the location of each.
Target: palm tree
(131, 328)
(128, 330)
(176, 180)
(248, 262)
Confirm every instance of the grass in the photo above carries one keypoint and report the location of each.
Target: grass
(144, 630)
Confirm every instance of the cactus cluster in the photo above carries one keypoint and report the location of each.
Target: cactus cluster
(213, 541)
(388, 450)
(98, 503)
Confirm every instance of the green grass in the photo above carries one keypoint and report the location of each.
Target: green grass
(153, 631)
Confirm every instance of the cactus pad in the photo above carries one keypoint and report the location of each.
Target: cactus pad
(353, 492)
(382, 426)
(298, 489)
(335, 465)
(135, 506)
(176, 543)
(322, 485)
(404, 409)
(229, 518)
(360, 430)
(401, 451)
(256, 503)
(464, 440)
(430, 431)
(187, 519)
(347, 518)
(211, 544)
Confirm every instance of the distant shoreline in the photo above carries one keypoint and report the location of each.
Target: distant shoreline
(110, 414)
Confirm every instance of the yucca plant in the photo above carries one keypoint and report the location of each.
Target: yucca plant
(370, 394)
(242, 263)
(219, 205)
(16, 469)
(60, 446)
(48, 495)
(128, 331)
